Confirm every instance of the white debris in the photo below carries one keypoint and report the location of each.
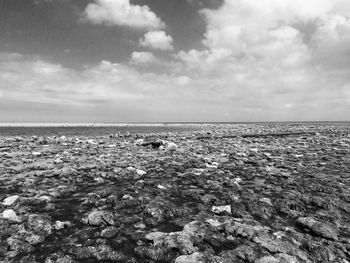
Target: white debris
(36, 153)
(221, 209)
(10, 200)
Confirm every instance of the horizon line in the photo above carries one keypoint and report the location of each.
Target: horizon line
(121, 124)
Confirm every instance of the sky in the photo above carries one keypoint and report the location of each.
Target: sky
(174, 60)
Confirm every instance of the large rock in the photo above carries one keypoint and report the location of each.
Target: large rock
(40, 224)
(11, 215)
(10, 200)
(182, 241)
(196, 257)
(105, 252)
(318, 228)
(100, 218)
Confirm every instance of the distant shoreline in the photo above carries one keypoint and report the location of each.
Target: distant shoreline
(154, 124)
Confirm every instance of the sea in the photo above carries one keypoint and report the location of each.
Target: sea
(95, 129)
(101, 129)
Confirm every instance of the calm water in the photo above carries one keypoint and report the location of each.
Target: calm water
(94, 131)
(105, 129)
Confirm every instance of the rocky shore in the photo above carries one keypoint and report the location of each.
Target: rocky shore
(262, 193)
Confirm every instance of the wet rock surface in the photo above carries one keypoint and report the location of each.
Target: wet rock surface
(225, 193)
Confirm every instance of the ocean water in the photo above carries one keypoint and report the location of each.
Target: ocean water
(88, 129)
(93, 130)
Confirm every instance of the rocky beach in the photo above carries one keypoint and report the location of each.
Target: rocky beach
(223, 193)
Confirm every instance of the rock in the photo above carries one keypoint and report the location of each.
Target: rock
(109, 232)
(19, 246)
(10, 214)
(247, 253)
(321, 229)
(100, 218)
(65, 259)
(221, 209)
(160, 209)
(60, 225)
(105, 252)
(267, 259)
(279, 258)
(31, 238)
(184, 241)
(138, 171)
(10, 200)
(171, 147)
(196, 257)
(40, 224)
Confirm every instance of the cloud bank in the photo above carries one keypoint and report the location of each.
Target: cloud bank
(267, 60)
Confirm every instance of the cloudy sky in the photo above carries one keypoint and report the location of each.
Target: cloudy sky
(174, 60)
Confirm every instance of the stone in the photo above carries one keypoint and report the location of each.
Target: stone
(318, 228)
(171, 147)
(10, 200)
(40, 224)
(221, 209)
(196, 257)
(11, 215)
(60, 225)
(267, 259)
(105, 252)
(100, 218)
(109, 232)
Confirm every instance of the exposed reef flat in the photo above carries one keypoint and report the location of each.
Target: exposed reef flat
(229, 193)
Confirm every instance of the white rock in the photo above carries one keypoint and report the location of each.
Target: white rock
(171, 147)
(131, 169)
(254, 150)
(139, 141)
(210, 166)
(10, 214)
(140, 172)
(162, 187)
(36, 153)
(214, 223)
(220, 209)
(10, 200)
(60, 225)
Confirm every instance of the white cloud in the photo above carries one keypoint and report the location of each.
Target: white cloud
(143, 58)
(157, 40)
(123, 13)
(231, 90)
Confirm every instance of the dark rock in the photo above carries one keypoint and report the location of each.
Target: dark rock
(100, 218)
(321, 229)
